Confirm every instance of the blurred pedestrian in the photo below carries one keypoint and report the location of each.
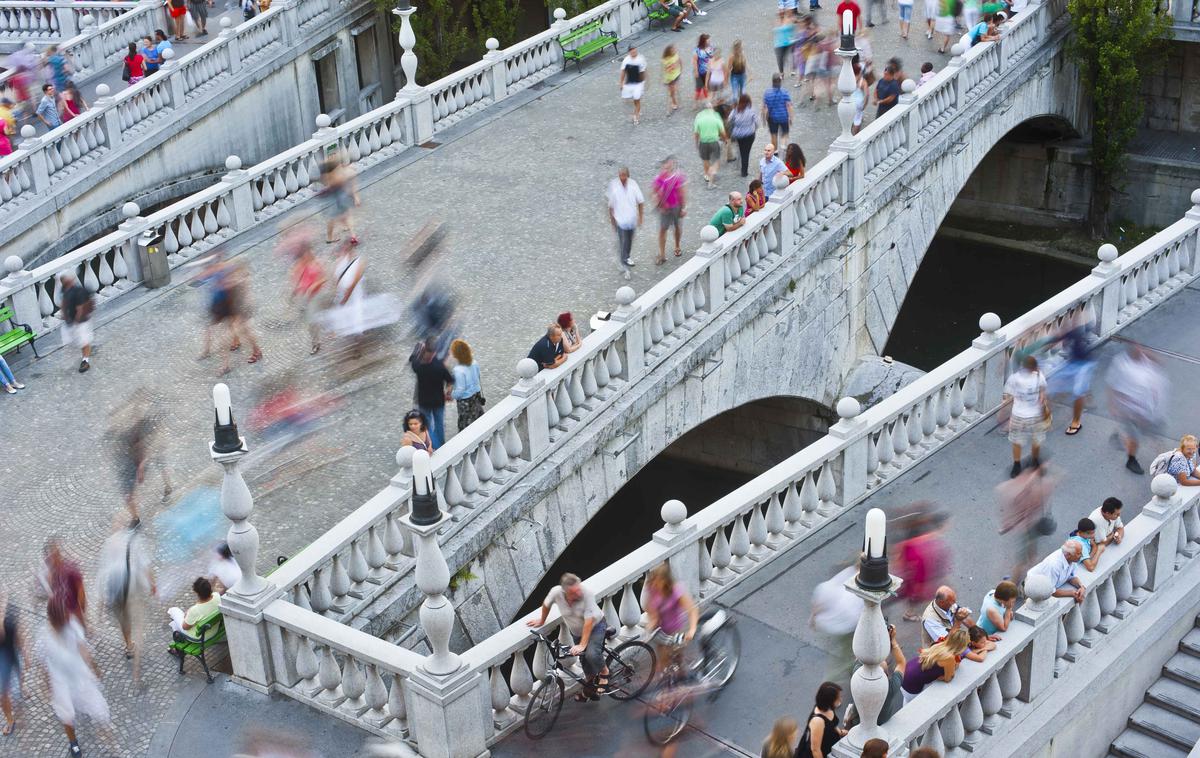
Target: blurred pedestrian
(944, 24)
(572, 340)
(12, 655)
(259, 742)
(72, 673)
(934, 661)
(708, 131)
(923, 560)
(782, 37)
(348, 313)
(670, 199)
(223, 571)
(126, 581)
(835, 613)
(1030, 412)
(1137, 393)
(625, 206)
(467, 392)
(782, 742)
(177, 9)
(717, 77)
(1074, 377)
(743, 124)
(7, 380)
(1024, 509)
(671, 610)
(70, 102)
(199, 11)
(340, 186)
(308, 281)
(75, 310)
(822, 732)
(777, 109)
(739, 72)
(134, 432)
(434, 383)
(700, 58)
(60, 581)
(633, 80)
(672, 69)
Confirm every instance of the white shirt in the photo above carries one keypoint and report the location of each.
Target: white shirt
(1103, 526)
(935, 630)
(1026, 387)
(835, 609)
(1057, 568)
(225, 569)
(623, 200)
(639, 63)
(1019, 6)
(574, 614)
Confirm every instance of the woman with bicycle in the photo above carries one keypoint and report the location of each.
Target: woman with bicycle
(671, 610)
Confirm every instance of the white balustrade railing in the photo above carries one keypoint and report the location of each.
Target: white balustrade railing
(45, 22)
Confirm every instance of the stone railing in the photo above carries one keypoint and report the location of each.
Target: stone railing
(1049, 636)
(734, 536)
(45, 22)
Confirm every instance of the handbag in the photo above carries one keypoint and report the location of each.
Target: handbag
(125, 75)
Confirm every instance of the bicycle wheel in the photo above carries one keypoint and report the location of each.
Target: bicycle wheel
(722, 651)
(543, 708)
(668, 709)
(630, 669)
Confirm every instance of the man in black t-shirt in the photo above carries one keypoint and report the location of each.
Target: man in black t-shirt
(433, 383)
(75, 310)
(548, 351)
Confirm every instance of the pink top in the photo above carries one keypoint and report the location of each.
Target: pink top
(668, 608)
(669, 189)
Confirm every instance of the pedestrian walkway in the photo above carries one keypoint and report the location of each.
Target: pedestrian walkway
(523, 191)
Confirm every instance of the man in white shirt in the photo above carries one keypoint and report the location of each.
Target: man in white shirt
(584, 620)
(625, 203)
(835, 612)
(942, 616)
(1107, 518)
(1027, 425)
(1060, 567)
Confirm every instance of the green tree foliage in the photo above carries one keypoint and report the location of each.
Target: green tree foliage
(1116, 43)
(496, 18)
(573, 7)
(443, 36)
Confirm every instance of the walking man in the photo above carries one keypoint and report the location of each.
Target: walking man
(76, 312)
(625, 207)
(47, 109)
(777, 110)
(633, 80)
(709, 130)
(127, 582)
(433, 388)
(669, 198)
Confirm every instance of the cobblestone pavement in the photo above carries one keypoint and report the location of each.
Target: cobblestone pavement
(524, 195)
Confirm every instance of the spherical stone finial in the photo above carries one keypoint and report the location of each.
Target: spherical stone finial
(958, 49)
(233, 163)
(559, 14)
(1107, 253)
(13, 263)
(527, 368)
(226, 22)
(87, 19)
(130, 210)
(1164, 486)
(908, 86)
(492, 43)
(709, 234)
(625, 295)
(404, 457)
(28, 132)
(673, 512)
(323, 121)
(168, 54)
(989, 322)
(1196, 197)
(848, 408)
(780, 181)
(1038, 588)
(102, 90)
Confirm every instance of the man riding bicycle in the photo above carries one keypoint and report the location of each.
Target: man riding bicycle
(585, 622)
(671, 610)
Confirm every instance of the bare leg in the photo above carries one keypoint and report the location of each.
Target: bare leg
(1078, 409)
(678, 231)
(7, 708)
(662, 245)
(1016, 452)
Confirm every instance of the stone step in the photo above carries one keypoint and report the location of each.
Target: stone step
(1183, 668)
(1175, 696)
(1191, 643)
(1165, 725)
(1132, 744)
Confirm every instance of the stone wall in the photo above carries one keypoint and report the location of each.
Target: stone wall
(1173, 94)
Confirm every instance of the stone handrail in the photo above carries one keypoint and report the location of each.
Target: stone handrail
(734, 536)
(40, 21)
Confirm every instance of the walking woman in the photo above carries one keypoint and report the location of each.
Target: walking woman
(717, 76)
(700, 57)
(822, 730)
(11, 653)
(73, 675)
(341, 188)
(783, 42)
(738, 71)
(467, 393)
(672, 69)
(743, 123)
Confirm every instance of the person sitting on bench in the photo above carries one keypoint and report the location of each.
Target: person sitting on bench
(209, 601)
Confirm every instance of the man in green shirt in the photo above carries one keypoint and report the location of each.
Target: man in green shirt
(709, 130)
(731, 216)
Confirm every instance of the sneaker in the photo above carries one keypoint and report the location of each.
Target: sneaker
(629, 262)
(10, 389)
(84, 365)
(75, 752)
(701, 13)
(1016, 470)
(627, 276)
(686, 21)
(18, 385)
(1132, 464)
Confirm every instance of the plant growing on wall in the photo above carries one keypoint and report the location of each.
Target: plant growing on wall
(1115, 44)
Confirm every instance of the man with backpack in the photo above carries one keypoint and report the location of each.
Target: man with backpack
(1180, 463)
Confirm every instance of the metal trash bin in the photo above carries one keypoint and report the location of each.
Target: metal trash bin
(156, 272)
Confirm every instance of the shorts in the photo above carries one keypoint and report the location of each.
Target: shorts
(1073, 378)
(177, 12)
(668, 218)
(199, 10)
(701, 83)
(1027, 431)
(906, 13)
(931, 9)
(945, 25)
(710, 151)
(674, 10)
(633, 91)
(78, 335)
(777, 127)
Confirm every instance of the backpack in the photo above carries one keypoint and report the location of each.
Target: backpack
(1161, 461)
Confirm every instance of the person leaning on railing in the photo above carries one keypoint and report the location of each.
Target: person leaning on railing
(1060, 567)
(938, 661)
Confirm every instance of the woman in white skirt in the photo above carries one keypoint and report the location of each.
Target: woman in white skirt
(931, 12)
(633, 80)
(73, 675)
(945, 24)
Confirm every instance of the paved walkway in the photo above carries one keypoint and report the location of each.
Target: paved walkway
(523, 189)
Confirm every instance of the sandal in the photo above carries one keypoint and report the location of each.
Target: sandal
(1073, 429)
(315, 349)
(911, 617)
(255, 357)
(678, 252)
(9, 727)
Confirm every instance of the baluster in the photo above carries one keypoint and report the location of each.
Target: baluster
(452, 490)
(396, 708)
(541, 664)
(321, 598)
(1091, 618)
(706, 566)
(793, 511)
(575, 390)
(827, 492)
(1106, 598)
(376, 555)
(739, 545)
(722, 557)
(1010, 687)
(1123, 588)
(899, 441)
(808, 499)
(1075, 629)
(991, 700)
(565, 639)
(972, 719)
(668, 323)
(952, 729)
(469, 478)
(1060, 648)
(929, 420)
(500, 693)
(1138, 575)
(329, 676)
(630, 613)
(611, 618)
(970, 395)
(588, 379)
(393, 542)
(307, 667)
(499, 455)
(339, 583)
(483, 467)
(913, 429)
(521, 681)
(376, 698)
(653, 323)
(775, 522)
(354, 684)
(512, 441)
(603, 377)
(358, 570)
(614, 362)
(758, 534)
(933, 739)
(300, 597)
(563, 400)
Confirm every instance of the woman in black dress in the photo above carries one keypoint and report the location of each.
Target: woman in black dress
(822, 730)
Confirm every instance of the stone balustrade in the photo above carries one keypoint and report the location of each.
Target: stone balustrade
(60, 20)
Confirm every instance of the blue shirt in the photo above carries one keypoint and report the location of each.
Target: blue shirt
(466, 381)
(990, 603)
(1087, 546)
(769, 170)
(160, 48)
(978, 31)
(776, 101)
(48, 110)
(702, 56)
(783, 35)
(1178, 463)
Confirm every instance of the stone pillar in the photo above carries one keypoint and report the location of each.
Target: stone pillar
(39, 170)
(535, 419)
(957, 51)
(233, 47)
(912, 123)
(290, 26)
(676, 532)
(133, 225)
(785, 223)
(624, 21)
(1110, 294)
(242, 207)
(242, 605)
(1165, 507)
(24, 296)
(1004, 42)
(499, 71)
(1036, 662)
(1192, 244)
(714, 293)
(421, 109)
(63, 13)
(635, 350)
(110, 120)
(175, 84)
(991, 379)
(851, 470)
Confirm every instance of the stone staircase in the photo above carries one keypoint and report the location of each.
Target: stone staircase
(1167, 724)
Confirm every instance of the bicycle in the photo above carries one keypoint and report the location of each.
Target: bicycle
(670, 707)
(631, 666)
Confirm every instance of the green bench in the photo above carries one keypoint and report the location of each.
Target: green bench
(19, 335)
(584, 44)
(208, 631)
(654, 12)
